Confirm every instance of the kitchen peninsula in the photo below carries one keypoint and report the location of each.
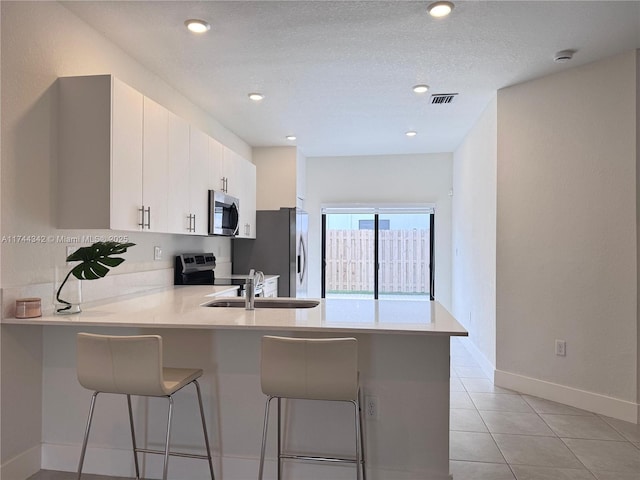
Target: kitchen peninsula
(404, 365)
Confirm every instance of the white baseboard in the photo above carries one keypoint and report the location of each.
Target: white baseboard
(487, 367)
(22, 466)
(590, 401)
(117, 462)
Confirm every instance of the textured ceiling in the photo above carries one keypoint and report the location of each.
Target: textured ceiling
(338, 74)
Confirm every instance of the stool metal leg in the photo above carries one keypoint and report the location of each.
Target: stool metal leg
(165, 470)
(264, 437)
(356, 407)
(279, 438)
(364, 472)
(204, 430)
(133, 438)
(86, 433)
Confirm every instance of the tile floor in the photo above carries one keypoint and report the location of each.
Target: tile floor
(498, 434)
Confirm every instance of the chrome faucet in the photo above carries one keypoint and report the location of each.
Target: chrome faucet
(254, 282)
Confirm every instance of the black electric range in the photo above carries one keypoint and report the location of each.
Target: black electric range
(199, 269)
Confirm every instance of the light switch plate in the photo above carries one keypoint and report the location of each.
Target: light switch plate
(157, 253)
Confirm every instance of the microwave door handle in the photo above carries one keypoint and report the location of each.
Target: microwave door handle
(237, 214)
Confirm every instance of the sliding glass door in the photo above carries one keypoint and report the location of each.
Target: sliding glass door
(378, 253)
(349, 261)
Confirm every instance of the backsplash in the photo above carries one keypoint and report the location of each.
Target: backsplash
(111, 286)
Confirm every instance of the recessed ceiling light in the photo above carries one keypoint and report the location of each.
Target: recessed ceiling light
(440, 9)
(197, 26)
(256, 97)
(421, 88)
(291, 138)
(411, 133)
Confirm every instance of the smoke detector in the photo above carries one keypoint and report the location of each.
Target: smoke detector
(563, 56)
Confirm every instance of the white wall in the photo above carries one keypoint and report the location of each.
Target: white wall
(382, 179)
(567, 261)
(276, 173)
(474, 235)
(42, 41)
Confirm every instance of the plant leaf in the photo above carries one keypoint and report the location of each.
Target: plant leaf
(96, 259)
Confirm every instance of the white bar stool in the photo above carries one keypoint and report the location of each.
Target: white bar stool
(311, 369)
(132, 365)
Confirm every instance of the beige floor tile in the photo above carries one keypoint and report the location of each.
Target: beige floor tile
(483, 385)
(474, 447)
(479, 471)
(501, 402)
(516, 423)
(606, 456)
(577, 426)
(536, 451)
(466, 420)
(630, 431)
(615, 476)
(463, 361)
(455, 385)
(460, 400)
(545, 473)
(470, 372)
(53, 475)
(541, 405)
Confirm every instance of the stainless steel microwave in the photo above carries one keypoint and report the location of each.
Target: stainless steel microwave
(224, 214)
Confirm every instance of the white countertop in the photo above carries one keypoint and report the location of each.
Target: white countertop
(180, 307)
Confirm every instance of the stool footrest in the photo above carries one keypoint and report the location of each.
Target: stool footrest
(174, 454)
(310, 458)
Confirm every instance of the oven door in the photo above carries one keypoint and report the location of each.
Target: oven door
(224, 214)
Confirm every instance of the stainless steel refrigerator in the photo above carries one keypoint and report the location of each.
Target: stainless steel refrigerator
(280, 248)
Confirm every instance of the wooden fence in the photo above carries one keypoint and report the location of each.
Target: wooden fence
(404, 261)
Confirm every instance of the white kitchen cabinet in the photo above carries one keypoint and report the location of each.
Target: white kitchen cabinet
(231, 172)
(246, 179)
(199, 179)
(99, 153)
(126, 163)
(179, 215)
(155, 167)
(216, 157)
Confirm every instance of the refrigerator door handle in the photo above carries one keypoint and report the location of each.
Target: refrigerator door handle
(302, 261)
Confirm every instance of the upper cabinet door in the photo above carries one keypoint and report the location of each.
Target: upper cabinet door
(247, 180)
(216, 159)
(155, 167)
(231, 168)
(126, 157)
(179, 215)
(199, 178)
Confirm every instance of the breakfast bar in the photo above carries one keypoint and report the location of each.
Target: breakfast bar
(404, 373)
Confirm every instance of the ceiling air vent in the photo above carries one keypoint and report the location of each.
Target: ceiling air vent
(442, 98)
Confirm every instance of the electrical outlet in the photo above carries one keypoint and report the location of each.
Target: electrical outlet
(157, 253)
(561, 348)
(371, 407)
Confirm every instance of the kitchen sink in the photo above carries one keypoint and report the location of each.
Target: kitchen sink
(264, 303)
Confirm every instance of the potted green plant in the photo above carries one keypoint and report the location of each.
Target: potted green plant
(95, 262)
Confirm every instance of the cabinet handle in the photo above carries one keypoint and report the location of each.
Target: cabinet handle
(194, 222)
(148, 218)
(142, 212)
(223, 184)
